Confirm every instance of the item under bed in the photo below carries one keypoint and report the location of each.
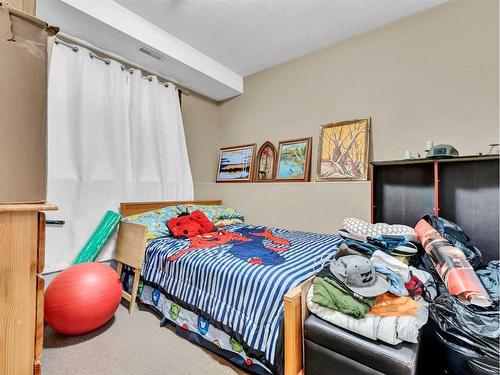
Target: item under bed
(199, 330)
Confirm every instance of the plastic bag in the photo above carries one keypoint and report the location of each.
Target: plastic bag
(490, 277)
(456, 236)
(469, 336)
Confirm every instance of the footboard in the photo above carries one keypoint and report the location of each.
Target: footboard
(295, 314)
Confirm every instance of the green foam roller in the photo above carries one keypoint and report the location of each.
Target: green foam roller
(99, 237)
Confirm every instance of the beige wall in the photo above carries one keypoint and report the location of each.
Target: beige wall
(432, 76)
(203, 136)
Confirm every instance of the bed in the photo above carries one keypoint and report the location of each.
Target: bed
(240, 293)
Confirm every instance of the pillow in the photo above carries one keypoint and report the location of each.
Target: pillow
(190, 225)
(155, 221)
(358, 226)
(203, 221)
(213, 212)
(184, 227)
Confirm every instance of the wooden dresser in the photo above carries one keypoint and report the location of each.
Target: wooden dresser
(22, 246)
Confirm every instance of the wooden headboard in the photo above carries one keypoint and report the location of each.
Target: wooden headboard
(134, 208)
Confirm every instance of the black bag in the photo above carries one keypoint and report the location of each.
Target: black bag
(456, 236)
(466, 337)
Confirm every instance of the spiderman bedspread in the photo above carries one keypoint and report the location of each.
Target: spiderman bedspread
(238, 277)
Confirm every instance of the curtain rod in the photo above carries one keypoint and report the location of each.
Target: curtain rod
(75, 43)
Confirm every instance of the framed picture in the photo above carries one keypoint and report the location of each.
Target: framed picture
(236, 163)
(265, 166)
(294, 160)
(343, 151)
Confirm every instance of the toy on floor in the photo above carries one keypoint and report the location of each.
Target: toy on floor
(82, 298)
(98, 238)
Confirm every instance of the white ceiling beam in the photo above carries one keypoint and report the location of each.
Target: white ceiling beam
(112, 27)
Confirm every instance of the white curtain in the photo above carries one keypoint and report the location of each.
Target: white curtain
(113, 137)
(162, 171)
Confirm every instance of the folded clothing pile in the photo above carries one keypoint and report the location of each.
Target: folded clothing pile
(350, 293)
(391, 248)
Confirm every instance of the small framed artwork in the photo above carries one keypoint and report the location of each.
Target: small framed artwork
(343, 150)
(236, 164)
(265, 166)
(294, 160)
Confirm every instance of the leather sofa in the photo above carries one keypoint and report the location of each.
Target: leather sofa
(333, 350)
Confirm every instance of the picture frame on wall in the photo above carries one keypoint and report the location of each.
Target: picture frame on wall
(343, 150)
(294, 160)
(236, 164)
(265, 165)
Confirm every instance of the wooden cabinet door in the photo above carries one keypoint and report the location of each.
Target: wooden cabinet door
(18, 282)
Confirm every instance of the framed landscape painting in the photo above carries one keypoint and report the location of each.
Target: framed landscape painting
(294, 160)
(236, 163)
(343, 151)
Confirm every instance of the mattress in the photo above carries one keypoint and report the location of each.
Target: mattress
(236, 280)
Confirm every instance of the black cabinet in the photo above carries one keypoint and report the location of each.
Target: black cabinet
(464, 190)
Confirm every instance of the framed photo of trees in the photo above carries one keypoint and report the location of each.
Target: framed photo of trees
(343, 151)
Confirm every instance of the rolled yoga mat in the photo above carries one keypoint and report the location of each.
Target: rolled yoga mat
(99, 237)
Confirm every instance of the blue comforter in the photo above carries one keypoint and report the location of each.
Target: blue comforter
(239, 276)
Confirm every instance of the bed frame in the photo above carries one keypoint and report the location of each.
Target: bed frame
(294, 301)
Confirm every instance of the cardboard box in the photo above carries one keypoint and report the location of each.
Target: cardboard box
(23, 101)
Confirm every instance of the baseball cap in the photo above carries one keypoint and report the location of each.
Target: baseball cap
(359, 275)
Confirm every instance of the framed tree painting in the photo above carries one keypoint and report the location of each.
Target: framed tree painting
(343, 151)
(294, 160)
(236, 164)
(265, 166)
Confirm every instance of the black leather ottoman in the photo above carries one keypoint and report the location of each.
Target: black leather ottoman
(333, 350)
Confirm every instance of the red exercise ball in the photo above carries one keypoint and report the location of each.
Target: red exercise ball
(82, 298)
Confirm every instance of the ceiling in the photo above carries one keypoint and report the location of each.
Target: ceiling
(250, 35)
(208, 46)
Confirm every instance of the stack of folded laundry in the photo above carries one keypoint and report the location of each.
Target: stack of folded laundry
(391, 248)
(370, 288)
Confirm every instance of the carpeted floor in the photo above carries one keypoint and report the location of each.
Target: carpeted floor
(129, 344)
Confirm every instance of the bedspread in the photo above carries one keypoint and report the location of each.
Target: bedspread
(237, 278)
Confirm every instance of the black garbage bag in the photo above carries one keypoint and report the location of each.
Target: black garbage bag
(468, 336)
(456, 236)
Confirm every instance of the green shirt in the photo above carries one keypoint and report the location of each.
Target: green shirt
(328, 293)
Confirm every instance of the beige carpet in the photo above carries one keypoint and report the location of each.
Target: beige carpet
(129, 344)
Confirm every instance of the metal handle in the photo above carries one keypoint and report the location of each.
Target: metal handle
(55, 222)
